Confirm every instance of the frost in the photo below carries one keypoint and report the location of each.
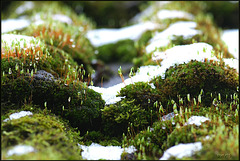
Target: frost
(197, 120)
(20, 150)
(180, 28)
(182, 150)
(171, 14)
(14, 24)
(18, 115)
(104, 36)
(96, 152)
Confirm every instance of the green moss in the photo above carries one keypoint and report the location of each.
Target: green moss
(149, 142)
(75, 102)
(49, 135)
(191, 78)
(121, 115)
(122, 51)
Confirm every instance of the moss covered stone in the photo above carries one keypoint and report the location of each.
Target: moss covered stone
(191, 78)
(75, 102)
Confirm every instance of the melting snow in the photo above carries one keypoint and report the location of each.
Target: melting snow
(197, 120)
(145, 74)
(180, 28)
(182, 150)
(234, 63)
(14, 24)
(26, 6)
(18, 115)
(20, 150)
(230, 37)
(184, 53)
(96, 152)
(171, 14)
(103, 36)
(9, 38)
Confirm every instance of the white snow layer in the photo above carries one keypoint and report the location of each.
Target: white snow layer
(184, 53)
(171, 14)
(26, 6)
(62, 18)
(104, 36)
(145, 74)
(14, 24)
(96, 152)
(231, 39)
(180, 28)
(234, 63)
(18, 115)
(182, 150)
(9, 38)
(197, 120)
(20, 150)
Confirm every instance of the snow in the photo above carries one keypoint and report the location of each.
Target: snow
(20, 150)
(184, 53)
(62, 18)
(182, 150)
(18, 115)
(234, 63)
(231, 39)
(149, 11)
(171, 14)
(144, 74)
(104, 36)
(9, 38)
(26, 6)
(197, 120)
(14, 24)
(96, 152)
(180, 28)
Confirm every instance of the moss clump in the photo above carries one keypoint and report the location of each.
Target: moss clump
(142, 94)
(191, 78)
(75, 102)
(64, 38)
(121, 115)
(149, 142)
(122, 51)
(49, 135)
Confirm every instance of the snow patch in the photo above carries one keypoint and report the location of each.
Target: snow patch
(14, 24)
(18, 115)
(182, 150)
(144, 74)
(231, 39)
(184, 53)
(62, 18)
(197, 120)
(8, 39)
(233, 63)
(20, 150)
(171, 14)
(180, 28)
(26, 6)
(104, 36)
(96, 152)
